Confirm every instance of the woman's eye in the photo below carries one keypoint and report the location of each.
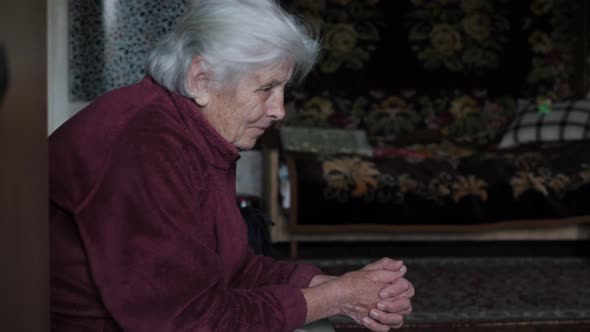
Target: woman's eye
(266, 89)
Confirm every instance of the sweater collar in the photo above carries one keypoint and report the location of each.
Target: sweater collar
(222, 154)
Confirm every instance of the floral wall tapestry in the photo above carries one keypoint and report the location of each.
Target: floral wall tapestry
(390, 67)
(518, 47)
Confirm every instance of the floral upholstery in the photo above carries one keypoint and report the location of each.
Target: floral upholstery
(442, 184)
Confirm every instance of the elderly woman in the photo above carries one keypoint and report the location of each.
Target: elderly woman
(145, 231)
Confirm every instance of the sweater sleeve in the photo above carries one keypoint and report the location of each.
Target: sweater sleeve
(261, 271)
(152, 255)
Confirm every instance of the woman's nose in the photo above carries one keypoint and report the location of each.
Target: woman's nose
(276, 109)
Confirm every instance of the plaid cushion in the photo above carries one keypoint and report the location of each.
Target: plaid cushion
(567, 121)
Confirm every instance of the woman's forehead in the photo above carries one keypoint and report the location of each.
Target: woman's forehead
(279, 72)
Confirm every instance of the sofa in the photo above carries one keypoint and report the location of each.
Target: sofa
(543, 180)
(440, 116)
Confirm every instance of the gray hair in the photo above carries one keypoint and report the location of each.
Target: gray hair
(233, 37)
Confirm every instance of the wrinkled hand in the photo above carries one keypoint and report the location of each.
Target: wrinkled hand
(395, 303)
(359, 291)
(395, 298)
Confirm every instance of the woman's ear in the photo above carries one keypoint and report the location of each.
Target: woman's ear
(197, 82)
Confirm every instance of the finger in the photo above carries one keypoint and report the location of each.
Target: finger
(406, 312)
(386, 318)
(384, 263)
(398, 326)
(401, 305)
(409, 293)
(374, 325)
(396, 288)
(386, 276)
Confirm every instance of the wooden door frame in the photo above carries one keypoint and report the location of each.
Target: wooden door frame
(24, 243)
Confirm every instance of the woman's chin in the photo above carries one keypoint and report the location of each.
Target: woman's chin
(248, 144)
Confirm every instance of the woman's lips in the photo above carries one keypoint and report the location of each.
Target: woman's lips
(261, 129)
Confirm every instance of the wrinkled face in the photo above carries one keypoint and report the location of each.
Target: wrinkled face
(243, 112)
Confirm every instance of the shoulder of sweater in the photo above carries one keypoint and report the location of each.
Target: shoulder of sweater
(86, 145)
(159, 126)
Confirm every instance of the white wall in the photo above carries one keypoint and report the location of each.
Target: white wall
(249, 173)
(59, 107)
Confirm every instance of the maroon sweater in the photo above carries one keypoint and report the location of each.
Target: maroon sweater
(145, 231)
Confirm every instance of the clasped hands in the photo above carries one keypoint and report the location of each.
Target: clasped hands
(377, 296)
